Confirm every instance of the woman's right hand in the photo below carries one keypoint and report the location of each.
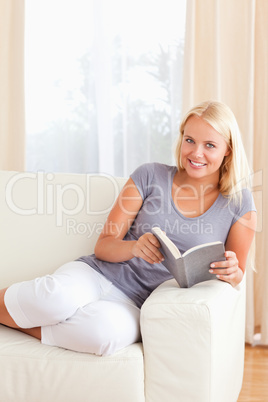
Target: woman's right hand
(147, 248)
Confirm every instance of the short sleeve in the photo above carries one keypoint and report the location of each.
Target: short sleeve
(143, 177)
(246, 205)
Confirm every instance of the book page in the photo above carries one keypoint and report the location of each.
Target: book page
(200, 246)
(162, 236)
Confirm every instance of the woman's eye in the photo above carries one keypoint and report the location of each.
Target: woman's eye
(210, 145)
(189, 140)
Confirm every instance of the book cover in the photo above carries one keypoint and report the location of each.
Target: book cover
(192, 266)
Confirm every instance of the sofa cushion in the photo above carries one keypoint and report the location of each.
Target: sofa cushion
(31, 372)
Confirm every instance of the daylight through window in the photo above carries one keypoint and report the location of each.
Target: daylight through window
(103, 83)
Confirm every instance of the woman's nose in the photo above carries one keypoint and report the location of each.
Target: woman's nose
(198, 151)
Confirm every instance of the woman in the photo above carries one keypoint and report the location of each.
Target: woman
(92, 305)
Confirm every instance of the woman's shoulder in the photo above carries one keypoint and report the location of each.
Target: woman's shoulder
(150, 175)
(153, 169)
(247, 200)
(243, 198)
(239, 205)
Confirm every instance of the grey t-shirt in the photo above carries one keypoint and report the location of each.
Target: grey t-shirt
(136, 277)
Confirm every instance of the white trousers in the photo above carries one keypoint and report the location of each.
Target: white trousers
(77, 308)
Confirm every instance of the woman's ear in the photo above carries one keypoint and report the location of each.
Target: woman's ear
(227, 152)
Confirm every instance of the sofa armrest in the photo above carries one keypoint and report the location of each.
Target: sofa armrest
(194, 342)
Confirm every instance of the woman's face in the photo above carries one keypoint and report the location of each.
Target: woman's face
(203, 149)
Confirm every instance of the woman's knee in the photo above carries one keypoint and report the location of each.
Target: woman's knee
(101, 328)
(116, 326)
(44, 301)
(54, 299)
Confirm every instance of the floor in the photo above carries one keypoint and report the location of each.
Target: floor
(255, 383)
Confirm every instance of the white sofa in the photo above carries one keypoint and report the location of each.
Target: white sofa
(193, 339)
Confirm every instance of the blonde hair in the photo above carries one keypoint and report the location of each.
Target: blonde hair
(234, 170)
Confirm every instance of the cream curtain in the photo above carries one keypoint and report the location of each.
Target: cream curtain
(226, 58)
(12, 123)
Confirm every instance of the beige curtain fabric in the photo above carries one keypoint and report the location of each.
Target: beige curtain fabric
(226, 58)
(12, 121)
(261, 162)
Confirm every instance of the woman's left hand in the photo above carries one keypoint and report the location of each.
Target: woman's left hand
(228, 270)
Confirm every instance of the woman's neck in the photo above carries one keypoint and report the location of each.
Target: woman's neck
(193, 197)
(199, 187)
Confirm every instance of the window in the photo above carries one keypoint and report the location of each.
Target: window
(103, 83)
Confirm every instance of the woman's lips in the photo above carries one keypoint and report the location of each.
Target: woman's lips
(196, 164)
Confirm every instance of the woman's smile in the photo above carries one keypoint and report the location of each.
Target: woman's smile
(196, 164)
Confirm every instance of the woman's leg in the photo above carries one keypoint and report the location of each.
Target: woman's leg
(76, 308)
(4, 315)
(100, 328)
(50, 299)
(6, 319)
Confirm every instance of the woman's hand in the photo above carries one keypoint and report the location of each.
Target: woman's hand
(147, 248)
(228, 270)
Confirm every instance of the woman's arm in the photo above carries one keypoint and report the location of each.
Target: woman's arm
(237, 248)
(111, 246)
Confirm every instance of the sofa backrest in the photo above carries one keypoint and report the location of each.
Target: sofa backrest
(48, 219)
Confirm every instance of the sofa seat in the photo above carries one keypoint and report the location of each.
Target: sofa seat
(32, 369)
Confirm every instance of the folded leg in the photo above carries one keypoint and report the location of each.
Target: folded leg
(101, 328)
(54, 298)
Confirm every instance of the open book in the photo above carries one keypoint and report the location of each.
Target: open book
(192, 266)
